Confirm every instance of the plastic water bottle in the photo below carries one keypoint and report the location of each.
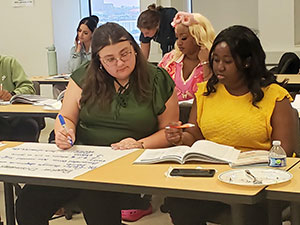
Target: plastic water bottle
(52, 60)
(277, 156)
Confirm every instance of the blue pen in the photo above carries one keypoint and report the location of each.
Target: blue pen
(63, 124)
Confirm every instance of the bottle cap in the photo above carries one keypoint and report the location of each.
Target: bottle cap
(276, 142)
(51, 48)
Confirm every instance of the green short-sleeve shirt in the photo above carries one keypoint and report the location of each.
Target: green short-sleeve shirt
(136, 120)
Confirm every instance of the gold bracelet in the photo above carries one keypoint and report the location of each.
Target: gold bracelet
(204, 63)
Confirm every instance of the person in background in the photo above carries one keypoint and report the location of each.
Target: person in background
(188, 63)
(241, 105)
(81, 51)
(122, 102)
(13, 80)
(155, 24)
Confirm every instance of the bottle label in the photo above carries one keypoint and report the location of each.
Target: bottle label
(277, 162)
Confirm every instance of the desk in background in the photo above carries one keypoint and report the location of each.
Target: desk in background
(26, 110)
(293, 84)
(61, 83)
(148, 179)
(292, 78)
(48, 80)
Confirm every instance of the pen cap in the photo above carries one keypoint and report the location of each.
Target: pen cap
(61, 120)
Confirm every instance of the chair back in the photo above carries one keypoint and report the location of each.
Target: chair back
(289, 63)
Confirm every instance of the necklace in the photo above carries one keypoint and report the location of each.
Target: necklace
(122, 88)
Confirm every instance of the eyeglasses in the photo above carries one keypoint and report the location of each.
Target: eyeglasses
(112, 61)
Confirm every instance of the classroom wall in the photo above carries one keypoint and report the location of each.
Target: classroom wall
(225, 13)
(277, 27)
(273, 20)
(297, 22)
(66, 16)
(25, 34)
(27, 31)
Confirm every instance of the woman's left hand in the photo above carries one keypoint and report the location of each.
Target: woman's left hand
(127, 143)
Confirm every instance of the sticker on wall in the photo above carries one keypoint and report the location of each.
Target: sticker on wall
(22, 3)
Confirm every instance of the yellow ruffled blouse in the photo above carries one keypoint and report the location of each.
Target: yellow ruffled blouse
(233, 120)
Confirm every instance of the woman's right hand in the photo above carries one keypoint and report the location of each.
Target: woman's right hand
(174, 135)
(78, 46)
(63, 139)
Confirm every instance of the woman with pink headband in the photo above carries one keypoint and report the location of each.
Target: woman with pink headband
(188, 64)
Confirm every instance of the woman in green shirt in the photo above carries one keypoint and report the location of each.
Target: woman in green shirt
(122, 102)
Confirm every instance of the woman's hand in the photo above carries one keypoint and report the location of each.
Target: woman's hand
(127, 143)
(174, 135)
(63, 139)
(78, 46)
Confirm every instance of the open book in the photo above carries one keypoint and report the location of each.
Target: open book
(27, 99)
(202, 150)
(58, 76)
(50, 104)
(255, 157)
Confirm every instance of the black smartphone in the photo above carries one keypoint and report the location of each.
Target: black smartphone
(193, 172)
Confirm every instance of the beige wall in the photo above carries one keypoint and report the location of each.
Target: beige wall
(226, 13)
(25, 32)
(66, 17)
(277, 28)
(273, 19)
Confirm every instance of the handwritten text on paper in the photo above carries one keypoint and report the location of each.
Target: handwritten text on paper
(46, 160)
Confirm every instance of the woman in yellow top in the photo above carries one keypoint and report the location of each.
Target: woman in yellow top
(241, 105)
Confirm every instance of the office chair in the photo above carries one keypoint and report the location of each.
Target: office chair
(289, 63)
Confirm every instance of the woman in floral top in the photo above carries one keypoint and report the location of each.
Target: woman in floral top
(187, 64)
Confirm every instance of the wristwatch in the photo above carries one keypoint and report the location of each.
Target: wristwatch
(12, 93)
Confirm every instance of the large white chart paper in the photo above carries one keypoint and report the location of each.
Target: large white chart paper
(48, 161)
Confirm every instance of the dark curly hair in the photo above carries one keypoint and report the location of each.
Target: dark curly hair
(245, 48)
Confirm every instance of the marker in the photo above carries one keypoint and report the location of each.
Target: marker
(186, 125)
(63, 124)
